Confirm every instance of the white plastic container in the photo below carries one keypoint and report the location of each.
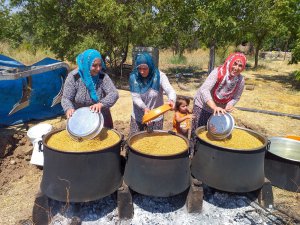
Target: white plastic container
(35, 135)
(36, 132)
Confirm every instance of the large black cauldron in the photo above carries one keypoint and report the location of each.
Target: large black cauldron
(80, 176)
(158, 176)
(282, 163)
(227, 169)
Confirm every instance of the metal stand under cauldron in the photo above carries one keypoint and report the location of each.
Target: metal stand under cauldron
(158, 176)
(194, 199)
(194, 202)
(41, 210)
(265, 194)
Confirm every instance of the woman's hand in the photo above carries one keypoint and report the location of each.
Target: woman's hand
(229, 108)
(218, 110)
(69, 113)
(96, 107)
(150, 123)
(146, 110)
(171, 103)
(215, 108)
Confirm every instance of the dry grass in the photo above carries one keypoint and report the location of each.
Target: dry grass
(198, 58)
(287, 201)
(24, 54)
(18, 200)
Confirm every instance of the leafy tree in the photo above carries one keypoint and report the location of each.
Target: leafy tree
(258, 20)
(288, 14)
(176, 24)
(68, 27)
(217, 22)
(4, 18)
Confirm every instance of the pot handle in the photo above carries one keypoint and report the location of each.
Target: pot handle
(268, 145)
(40, 143)
(124, 147)
(171, 132)
(149, 128)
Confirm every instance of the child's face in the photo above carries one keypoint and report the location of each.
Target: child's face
(183, 107)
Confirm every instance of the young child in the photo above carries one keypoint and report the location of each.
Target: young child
(182, 117)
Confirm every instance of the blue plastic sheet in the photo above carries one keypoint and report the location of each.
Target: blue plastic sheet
(45, 87)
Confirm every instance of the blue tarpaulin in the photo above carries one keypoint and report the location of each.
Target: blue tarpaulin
(45, 86)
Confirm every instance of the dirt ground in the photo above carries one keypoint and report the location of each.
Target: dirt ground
(19, 180)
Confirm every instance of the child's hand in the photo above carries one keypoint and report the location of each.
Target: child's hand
(191, 116)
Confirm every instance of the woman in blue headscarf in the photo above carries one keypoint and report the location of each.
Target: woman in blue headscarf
(147, 84)
(88, 85)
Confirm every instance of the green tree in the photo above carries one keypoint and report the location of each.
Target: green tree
(288, 14)
(4, 19)
(257, 21)
(68, 27)
(217, 23)
(176, 24)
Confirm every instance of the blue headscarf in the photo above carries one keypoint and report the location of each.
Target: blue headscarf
(139, 84)
(85, 61)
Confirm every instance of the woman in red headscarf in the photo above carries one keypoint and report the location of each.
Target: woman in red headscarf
(221, 90)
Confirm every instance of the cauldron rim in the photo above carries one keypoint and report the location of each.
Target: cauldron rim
(47, 136)
(280, 156)
(185, 151)
(239, 151)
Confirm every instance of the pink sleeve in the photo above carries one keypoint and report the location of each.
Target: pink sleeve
(208, 85)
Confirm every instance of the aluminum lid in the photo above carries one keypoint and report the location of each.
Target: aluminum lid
(220, 126)
(84, 123)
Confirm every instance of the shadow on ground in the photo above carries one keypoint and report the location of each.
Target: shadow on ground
(287, 81)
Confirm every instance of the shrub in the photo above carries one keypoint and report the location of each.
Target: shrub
(296, 76)
(176, 59)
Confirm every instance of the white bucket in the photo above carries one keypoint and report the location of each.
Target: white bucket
(36, 132)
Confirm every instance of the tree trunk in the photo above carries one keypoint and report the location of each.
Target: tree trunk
(256, 53)
(124, 56)
(181, 53)
(285, 49)
(211, 62)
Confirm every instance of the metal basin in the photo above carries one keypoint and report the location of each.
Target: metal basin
(282, 163)
(229, 169)
(81, 176)
(158, 176)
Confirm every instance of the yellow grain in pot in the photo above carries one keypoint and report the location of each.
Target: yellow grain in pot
(159, 144)
(239, 139)
(63, 142)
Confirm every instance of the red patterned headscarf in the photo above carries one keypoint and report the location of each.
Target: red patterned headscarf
(226, 85)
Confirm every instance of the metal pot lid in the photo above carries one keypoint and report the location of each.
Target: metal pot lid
(84, 123)
(220, 126)
(285, 148)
